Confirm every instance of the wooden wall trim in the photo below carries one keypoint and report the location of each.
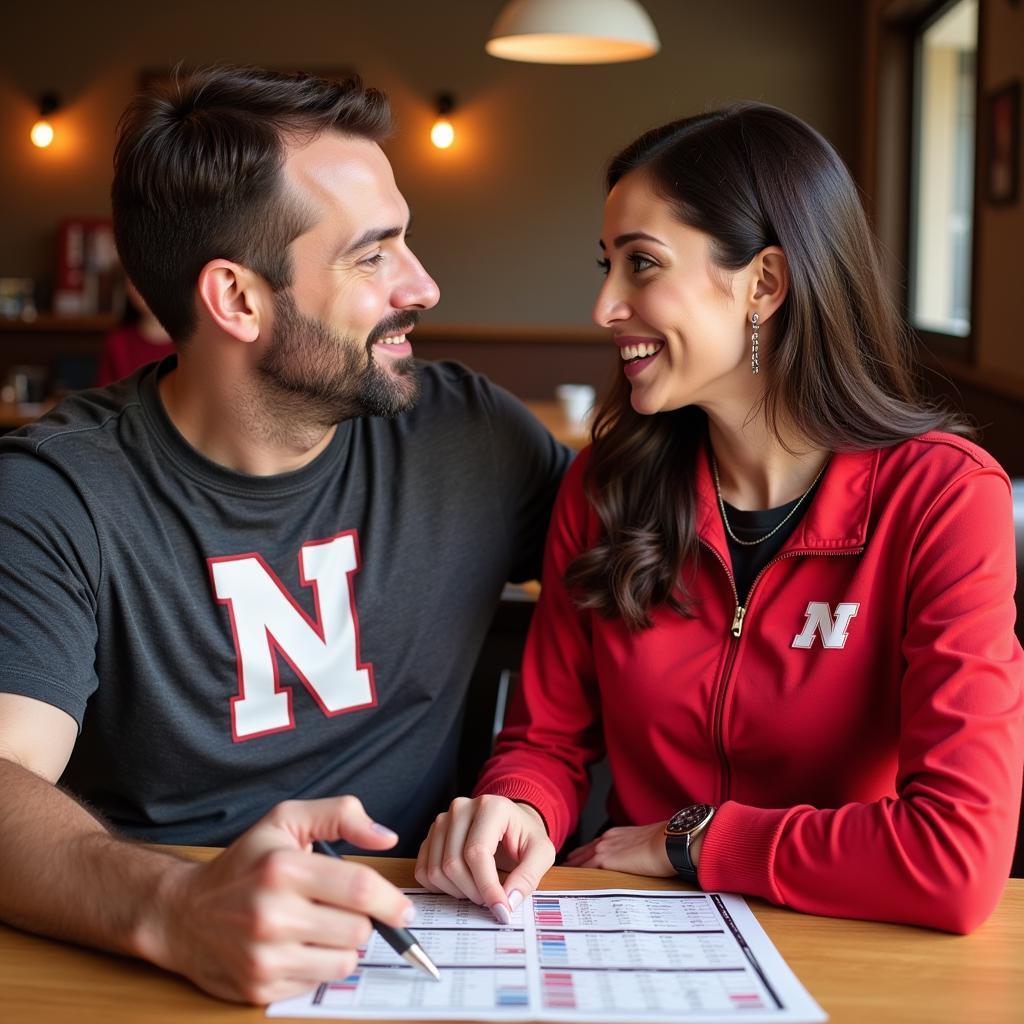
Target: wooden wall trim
(523, 334)
(994, 383)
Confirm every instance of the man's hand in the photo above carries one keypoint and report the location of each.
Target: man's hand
(267, 919)
(469, 842)
(640, 850)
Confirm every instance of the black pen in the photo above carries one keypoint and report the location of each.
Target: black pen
(401, 940)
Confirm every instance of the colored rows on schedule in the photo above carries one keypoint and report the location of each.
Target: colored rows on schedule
(553, 948)
(512, 995)
(547, 912)
(344, 987)
(557, 990)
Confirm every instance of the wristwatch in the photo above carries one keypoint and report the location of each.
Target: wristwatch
(681, 830)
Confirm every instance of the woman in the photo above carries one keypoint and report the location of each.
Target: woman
(138, 340)
(779, 586)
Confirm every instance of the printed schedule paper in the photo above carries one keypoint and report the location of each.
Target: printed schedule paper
(596, 955)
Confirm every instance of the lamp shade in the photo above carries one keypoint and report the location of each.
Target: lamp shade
(573, 32)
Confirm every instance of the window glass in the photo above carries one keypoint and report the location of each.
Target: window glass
(943, 170)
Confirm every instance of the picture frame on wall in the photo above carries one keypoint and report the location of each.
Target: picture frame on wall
(1002, 169)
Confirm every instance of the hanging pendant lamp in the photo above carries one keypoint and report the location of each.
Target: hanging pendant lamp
(573, 32)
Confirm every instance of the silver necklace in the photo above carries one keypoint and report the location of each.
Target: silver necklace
(778, 526)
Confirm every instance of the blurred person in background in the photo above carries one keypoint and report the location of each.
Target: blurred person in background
(138, 340)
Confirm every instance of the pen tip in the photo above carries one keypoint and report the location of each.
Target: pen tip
(415, 955)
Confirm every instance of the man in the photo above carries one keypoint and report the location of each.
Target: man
(256, 574)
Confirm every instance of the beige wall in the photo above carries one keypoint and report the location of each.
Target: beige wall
(998, 348)
(507, 221)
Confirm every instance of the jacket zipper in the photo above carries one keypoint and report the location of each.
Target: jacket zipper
(736, 631)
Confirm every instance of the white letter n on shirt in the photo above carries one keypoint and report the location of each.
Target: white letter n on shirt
(267, 624)
(819, 620)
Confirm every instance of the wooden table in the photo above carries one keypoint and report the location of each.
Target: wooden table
(17, 414)
(552, 416)
(857, 971)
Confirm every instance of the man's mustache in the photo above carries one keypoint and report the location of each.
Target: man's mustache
(401, 323)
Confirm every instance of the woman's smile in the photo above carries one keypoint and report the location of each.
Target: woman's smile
(638, 353)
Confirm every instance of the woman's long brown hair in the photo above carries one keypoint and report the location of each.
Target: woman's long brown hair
(840, 370)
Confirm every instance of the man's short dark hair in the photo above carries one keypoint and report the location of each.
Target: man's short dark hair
(197, 175)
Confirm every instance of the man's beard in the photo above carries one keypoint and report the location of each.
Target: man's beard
(324, 377)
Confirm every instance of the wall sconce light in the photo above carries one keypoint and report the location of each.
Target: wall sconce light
(573, 32)
(442, 134)
(42, 131)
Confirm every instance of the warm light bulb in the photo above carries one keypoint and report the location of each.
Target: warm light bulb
(442, 134)
(42, 133)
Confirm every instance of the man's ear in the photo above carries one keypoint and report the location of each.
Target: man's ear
(770, 284)
(235, 298)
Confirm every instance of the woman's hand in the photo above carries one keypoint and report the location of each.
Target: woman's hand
(469, 842)
(640, 850)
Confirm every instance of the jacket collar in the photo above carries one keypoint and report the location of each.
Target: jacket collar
(836, 519)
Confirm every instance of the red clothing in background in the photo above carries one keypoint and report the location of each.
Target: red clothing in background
(125, 349)
(862, 736)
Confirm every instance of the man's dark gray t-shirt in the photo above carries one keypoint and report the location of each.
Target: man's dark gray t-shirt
(227, 641)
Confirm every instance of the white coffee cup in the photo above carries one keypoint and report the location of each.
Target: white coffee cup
(577, 402)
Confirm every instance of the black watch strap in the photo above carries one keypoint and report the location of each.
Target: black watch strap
(678, 849)
(680, 831)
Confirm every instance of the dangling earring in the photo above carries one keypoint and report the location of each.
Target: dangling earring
(755, 325)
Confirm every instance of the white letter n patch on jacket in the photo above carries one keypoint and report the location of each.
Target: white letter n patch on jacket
(268, 624)
(819, 620)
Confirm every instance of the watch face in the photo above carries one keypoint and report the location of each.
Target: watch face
(688, 819)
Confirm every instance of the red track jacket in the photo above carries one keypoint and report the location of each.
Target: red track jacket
(859, 723)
